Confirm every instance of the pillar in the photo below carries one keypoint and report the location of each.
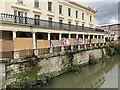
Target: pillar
(84, 42)
(48, 36)
(89, 40)
(34, 40)
(94, 41)
(60, 36)
(14, 35)
(97, 38)
(69, 36)
(77, 36)
(83, 39)
(104, 40)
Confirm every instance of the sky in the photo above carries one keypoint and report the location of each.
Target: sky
(107, 10)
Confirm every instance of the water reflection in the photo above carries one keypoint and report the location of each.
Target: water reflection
(104, 75)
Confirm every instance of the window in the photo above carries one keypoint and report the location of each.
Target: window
(90, 18)
(25, 18)
(20, 1)
(76, 25)
(82, 26)
(60, 9)
(15, 13)
(69, 12)
(15, 18)
(69, 23)
(37, 19)
(82, 16)
(76, 14)
(20, 15)
(36, 3)
(49, 6)
(50, 21)
(60, 23)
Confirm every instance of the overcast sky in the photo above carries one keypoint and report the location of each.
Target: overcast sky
(107, 11)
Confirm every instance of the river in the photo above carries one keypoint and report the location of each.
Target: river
(101, 75)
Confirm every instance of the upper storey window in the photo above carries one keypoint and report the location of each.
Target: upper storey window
(60, 9)
(83, 16)
(36, 3)
(76, 14)
(49, 6)
(20, 1)
(90, 18)
(69, 12)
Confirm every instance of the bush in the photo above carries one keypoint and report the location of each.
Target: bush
(113, 49)
(119, 38)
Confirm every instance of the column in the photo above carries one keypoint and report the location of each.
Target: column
(93, 40)
(69, 36)
(104, 40)
(89, 40)
(100, 40)
(77, 36)
(34, 40)
(84, 42)
(97, 40)
(60, 36)
(14, 35)
(48, 36)
(83, 39)
(16, 53)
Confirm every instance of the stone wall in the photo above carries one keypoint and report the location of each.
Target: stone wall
(2, 75)
(58, 62)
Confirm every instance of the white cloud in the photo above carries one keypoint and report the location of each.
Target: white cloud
(113, 21)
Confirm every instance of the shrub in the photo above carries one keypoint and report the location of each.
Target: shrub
(113, 49)
(119, 38)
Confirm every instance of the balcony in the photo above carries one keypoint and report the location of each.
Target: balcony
(12, 19)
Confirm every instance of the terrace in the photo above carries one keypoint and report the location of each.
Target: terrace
(12, 19)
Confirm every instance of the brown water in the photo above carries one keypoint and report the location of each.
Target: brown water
(102, 75)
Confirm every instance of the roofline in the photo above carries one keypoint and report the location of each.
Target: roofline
(79, 5)
(110, 25)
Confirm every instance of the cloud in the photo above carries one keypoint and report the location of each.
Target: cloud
(107, 11)
(113, 21)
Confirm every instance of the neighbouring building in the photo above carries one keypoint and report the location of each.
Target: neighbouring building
(28, 25)
(112, 32)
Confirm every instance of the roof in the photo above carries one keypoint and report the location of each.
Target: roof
(110, 25)
(82, 6)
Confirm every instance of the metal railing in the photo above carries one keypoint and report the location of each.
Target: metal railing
(12, 19)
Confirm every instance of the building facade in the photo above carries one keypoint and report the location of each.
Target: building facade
(112, 32)
(35, 24)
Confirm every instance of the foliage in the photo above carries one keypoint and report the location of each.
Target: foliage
(119, 38)
(113, 49)
(29, 77)
(32, 61)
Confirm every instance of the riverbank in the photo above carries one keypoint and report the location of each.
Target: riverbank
(40, 70)
(91, 76)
